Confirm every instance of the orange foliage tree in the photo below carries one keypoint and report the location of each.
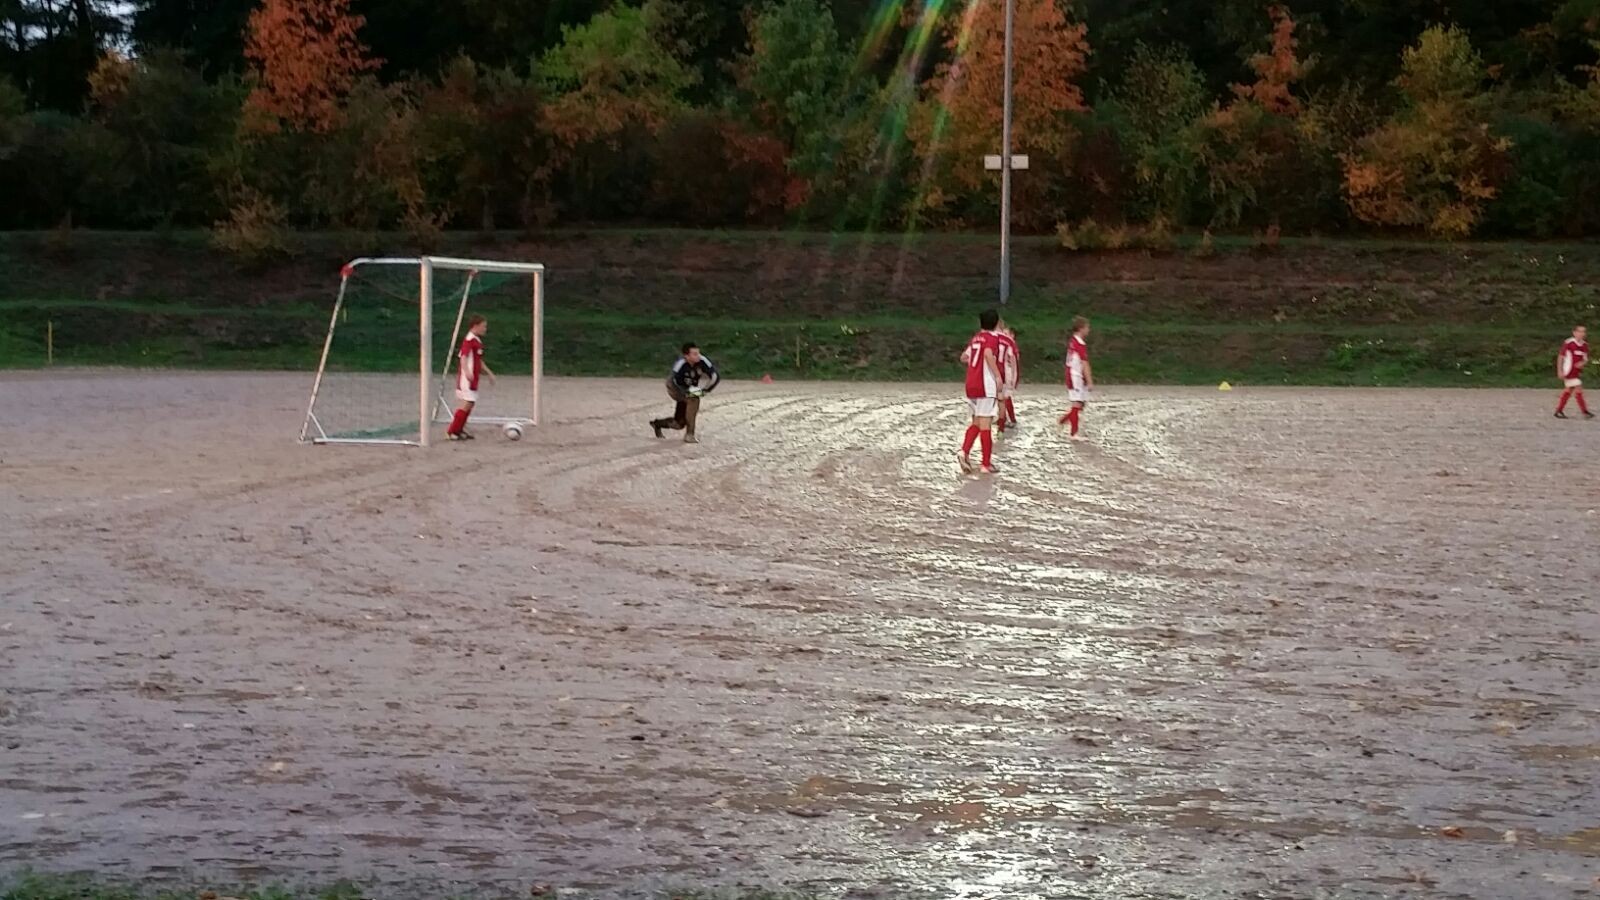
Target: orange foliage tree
(1251, 149)
(958, 121)
(1434, 165)
(306, 56)
(1276, 70)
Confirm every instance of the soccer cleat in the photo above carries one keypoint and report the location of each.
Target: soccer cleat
(452, 436)
(465, 436)
(1587, 414)
(1560, 414)
(991, 469)
(656, 426)
(965, 462)
(1076, 437)
(690, 438)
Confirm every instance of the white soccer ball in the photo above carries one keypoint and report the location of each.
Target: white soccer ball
(513, 432)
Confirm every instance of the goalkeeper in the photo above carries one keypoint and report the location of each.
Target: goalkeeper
(693, 376)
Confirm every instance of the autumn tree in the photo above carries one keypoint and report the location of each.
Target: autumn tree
(1434, 164)
(958, 121)
(739, 176)
(1251, 148)
(1277, 70)
(306, 56)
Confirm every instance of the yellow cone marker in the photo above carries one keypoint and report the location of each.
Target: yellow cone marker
(1224, 386)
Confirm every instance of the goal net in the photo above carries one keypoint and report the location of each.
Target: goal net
(387, 374)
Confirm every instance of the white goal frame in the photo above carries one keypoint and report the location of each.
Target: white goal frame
(432, 404)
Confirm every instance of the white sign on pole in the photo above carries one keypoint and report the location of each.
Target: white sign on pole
(1018, 161)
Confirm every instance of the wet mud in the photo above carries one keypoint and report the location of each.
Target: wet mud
(1275, 643)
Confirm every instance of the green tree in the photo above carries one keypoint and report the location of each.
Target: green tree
(209, 33)
(1155, 109)
(482, 144)
(611, 84)
(161, 125)
(608, 73)
(49, 47)
(48, 161)
(799, 78)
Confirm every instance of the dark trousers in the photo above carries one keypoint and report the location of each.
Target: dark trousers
(686, 410)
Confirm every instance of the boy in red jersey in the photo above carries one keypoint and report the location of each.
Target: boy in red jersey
(1080, 378)
(1010, 371)
(469, 366)
(982, 357)
(1569, 368)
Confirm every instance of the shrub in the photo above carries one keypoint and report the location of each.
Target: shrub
(255, 229)
(1087, 235)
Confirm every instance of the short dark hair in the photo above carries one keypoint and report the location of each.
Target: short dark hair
(988, 319)
(474, 320)
(691, 345)
(1079, 323)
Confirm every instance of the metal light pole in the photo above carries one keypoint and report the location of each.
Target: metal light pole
(1005, 166)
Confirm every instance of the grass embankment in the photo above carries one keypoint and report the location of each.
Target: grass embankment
(1354, 312)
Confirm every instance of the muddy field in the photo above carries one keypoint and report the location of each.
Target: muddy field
(1268, 643)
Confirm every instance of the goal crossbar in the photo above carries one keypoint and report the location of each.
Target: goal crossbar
(449, 262)
(432, 402)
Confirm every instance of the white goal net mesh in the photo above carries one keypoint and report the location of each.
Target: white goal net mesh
(369, 385)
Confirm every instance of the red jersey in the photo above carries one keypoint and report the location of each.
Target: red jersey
(1574, 354)
(1010, 360)
(470, 364)
(980, 380)
(1077, 355)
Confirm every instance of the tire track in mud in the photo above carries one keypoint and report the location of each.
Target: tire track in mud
(1212, 653)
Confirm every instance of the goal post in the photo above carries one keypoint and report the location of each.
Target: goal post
(398, 315)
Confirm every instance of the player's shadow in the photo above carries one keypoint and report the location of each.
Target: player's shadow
(978, 491)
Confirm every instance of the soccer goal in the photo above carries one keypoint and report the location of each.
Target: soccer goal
(388, 369)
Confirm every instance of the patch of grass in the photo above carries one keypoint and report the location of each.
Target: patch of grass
(835, 306)
(887, 347)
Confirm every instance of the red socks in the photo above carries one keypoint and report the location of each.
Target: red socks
(457, 423)
(1071, 418)
(1582, 406)
(1011, 412)
(972, 435)
(1565, 396)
